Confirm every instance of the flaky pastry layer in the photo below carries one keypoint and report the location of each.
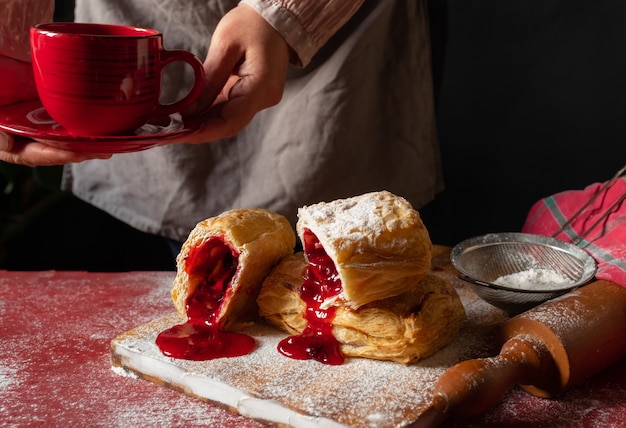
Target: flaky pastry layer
(261, 238)
(377, 242)
(403, 328)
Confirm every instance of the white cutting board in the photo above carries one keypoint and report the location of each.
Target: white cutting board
(269, 387)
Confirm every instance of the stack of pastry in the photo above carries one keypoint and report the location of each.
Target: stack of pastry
(362, 283)
(365, 271)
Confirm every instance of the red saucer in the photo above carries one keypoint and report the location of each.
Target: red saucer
(30, 119)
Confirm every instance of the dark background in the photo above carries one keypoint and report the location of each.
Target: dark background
(530, 100)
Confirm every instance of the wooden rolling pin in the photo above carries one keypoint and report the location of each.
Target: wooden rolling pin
(546, 351)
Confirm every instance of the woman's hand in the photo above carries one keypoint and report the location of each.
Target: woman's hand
(246, 68)
(28, 152)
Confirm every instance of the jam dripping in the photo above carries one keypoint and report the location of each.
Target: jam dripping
(321, 282)
(200, 338)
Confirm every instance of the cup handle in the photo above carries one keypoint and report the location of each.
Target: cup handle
(168, 56)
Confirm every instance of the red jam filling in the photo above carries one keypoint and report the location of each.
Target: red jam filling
(321, 282)
(200, 338)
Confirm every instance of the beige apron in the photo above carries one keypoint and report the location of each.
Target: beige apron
(359, 118)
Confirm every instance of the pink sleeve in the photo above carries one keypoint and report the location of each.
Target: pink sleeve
(306, 25)
(16, 19)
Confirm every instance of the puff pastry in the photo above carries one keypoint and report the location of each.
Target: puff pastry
(377, 242)
(403, 328)
(223, 262)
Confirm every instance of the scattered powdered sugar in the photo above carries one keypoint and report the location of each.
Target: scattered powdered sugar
(55, 366)
(534, 279)
(359, 218)
(583, 407)
(124, 372)
(8, 376)
(267, 385)
(55, 353)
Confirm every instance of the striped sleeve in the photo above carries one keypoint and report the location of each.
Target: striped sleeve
(306, 25)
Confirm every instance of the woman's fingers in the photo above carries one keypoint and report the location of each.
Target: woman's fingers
(22, 151)
(246, 68)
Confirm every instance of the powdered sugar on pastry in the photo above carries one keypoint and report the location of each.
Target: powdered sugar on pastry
(377, 241)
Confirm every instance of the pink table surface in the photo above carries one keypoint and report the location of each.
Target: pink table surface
(55, 367)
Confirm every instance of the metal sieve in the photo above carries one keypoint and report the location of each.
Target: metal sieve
(483, 259)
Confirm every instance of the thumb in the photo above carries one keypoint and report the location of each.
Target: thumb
(219, 67)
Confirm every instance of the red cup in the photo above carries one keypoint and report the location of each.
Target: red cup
(100, 79)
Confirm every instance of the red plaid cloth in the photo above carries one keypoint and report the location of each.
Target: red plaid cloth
(606, 242)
